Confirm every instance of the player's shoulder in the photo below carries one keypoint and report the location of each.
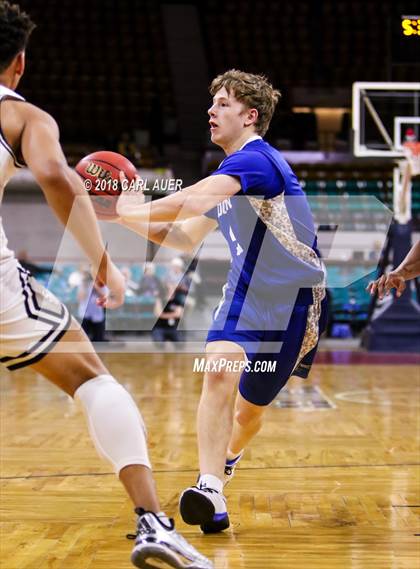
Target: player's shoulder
(254, 154)
(248, 156)
(260, 149)
(255, 158)
(29, 112)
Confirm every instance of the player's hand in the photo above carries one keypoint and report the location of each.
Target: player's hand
(131, 197)
(386, 283)
(115, 282)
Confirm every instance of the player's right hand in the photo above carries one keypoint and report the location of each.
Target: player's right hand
(129, 200)
(386, 283)
(114, 281)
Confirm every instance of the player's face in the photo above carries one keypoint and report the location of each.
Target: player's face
(226, 118)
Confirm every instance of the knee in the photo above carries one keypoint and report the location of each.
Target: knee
(217, 379)
(250, 416)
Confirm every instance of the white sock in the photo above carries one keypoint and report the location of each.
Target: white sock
(231, 455)
(164, 518)
(115, 423)
(211, 481)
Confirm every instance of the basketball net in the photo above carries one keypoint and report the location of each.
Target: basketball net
(403, 173)
(412, 154)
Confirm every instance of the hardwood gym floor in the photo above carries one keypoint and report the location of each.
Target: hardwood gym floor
(321, 487)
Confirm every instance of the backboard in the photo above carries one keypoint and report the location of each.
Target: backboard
(382, 112)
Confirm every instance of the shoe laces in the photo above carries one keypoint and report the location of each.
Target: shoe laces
(207, 489)
(144, 528)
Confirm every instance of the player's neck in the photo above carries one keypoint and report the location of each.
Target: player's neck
(6, 81)
(236, 144)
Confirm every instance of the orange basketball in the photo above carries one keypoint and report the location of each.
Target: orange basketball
(100, 172)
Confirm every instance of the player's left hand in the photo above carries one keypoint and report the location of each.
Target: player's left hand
(386, 283)
(131, 197)
(112, 286)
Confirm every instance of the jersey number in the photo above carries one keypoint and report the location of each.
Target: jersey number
(232, 236)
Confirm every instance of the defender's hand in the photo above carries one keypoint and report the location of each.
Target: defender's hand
(386, 283)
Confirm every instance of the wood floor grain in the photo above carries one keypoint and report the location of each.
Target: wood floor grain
(330, 488)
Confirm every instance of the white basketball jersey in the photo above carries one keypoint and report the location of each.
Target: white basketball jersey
(9, 164)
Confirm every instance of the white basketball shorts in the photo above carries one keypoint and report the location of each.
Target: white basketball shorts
(32, 319)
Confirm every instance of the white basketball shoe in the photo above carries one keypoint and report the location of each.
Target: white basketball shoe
(206, 507)
(158, 542)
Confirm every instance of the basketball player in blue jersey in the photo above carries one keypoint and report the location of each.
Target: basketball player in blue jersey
(272, 307)
(34, 324)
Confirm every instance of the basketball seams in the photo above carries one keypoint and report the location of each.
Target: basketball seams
(111, 164)
(96, 161)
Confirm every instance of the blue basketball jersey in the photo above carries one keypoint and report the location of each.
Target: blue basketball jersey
(269, 228)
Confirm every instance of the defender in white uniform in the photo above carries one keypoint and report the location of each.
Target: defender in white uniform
(31, 318)
(33, 323)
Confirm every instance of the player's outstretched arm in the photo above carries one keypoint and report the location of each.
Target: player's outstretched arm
(184, 235)
(408, 269)
(42, 153)
(192, 201)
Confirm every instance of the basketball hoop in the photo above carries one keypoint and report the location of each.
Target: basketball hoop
(412, 154)
(403, 173)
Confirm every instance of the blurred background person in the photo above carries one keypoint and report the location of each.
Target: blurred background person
(150, 284)
(91, 315)
(132, 287)
(169, 315)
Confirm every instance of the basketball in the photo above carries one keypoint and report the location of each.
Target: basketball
(100, 172)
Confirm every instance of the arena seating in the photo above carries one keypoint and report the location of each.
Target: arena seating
(284, 39)
(137, 307)
(348, 304)
(101, 84)
(98, 84)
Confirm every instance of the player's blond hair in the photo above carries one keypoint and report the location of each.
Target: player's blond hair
(254, 91)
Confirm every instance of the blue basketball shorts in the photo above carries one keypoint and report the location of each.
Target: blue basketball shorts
(279, 340)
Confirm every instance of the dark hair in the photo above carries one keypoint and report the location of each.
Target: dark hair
(15, 28)
(254, 91)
